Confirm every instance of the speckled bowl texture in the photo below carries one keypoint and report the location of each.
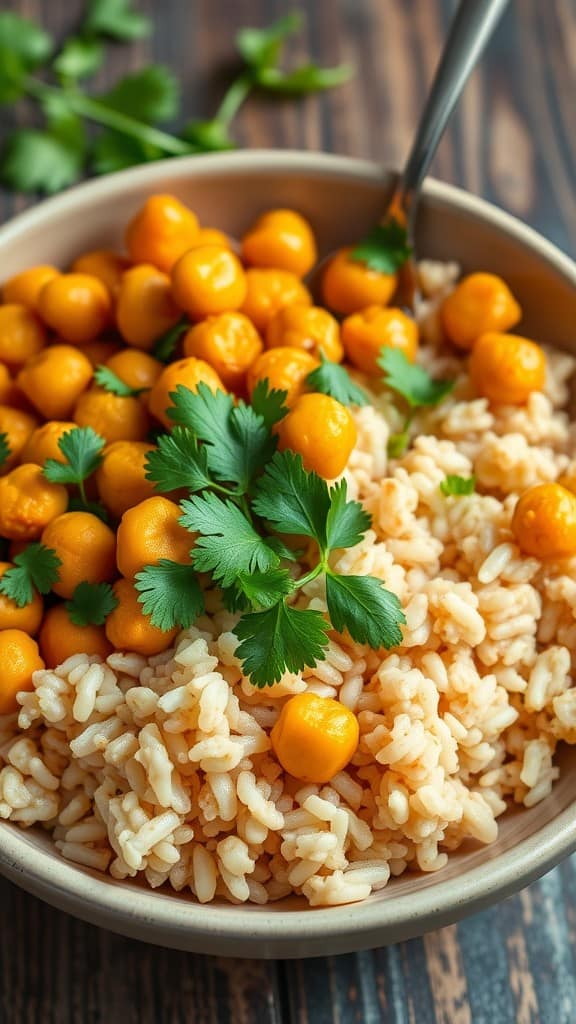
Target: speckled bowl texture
(342, 198)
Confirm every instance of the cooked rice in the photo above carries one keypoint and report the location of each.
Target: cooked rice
(163, 767)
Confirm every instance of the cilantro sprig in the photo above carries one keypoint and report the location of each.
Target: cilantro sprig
(110, 381)
(385, 248)
(457, 486)
(417, 388)
(34, 569)
(333, 379)
(91, 604)
(82, 450)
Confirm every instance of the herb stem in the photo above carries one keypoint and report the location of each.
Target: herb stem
(234, 97)
(312, 575)
(96, 111)
(82, 490)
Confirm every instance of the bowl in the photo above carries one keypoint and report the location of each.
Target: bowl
(342, 197)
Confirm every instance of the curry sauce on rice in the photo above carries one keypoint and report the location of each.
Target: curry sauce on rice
(247, 681)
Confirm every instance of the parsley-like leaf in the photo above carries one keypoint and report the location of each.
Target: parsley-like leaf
(269, 404)
(35, 568)
(362, 605)
(4, 448)
(80, 57)
(385, 248)
(264, 589)
(111, 382)
(165, 345)
(91, 604)
(115, 18)
(412, 381)
(44, 161)
(296, 501)
(228, 543)
(333, 379)
(308, 78)
(179, 461)
(170, 594)
(208, 136)
(458, 485)
(150, 95)
(82, 449)
(347, 521)
(261, 47)
(280, 639)
(113, 151)
(24, 39)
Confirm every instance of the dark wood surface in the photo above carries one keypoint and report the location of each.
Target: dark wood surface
(514, 142)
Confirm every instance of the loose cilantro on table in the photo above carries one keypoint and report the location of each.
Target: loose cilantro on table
(82, 449)
(35, 569)
(458, 485)
(91, 604)
(333, 379)
(415, 385)
(385, 248)
(110, 381)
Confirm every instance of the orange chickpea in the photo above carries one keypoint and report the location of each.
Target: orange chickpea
(42, 443)
(365, 333)
(544, 522)
(100, 350)
(228, 342)
(54, 380)
(28, 502)
(113, 417)
(129, 629)
(137, 369)
(121, 477)
(309, 327)
(86, 548)
(480, 303)
(348, 285)
(505, 368)
(22, 335)
(59, 638)
(189, 372)
(28, 618)
(208, 279)
(104, 264)
(269, 290)
(20, 659)
(24, 288)
(151, 531)
(18, 426)
(211, 236)
(282, 239)
(285, 369)
(322, 431)
(10, 393)
(76, 306)
(161, 232)
(314, 737)
(145, 308)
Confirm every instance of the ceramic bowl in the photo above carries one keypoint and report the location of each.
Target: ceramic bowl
(342, 198)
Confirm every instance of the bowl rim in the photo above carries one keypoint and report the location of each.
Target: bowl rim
(185, 924)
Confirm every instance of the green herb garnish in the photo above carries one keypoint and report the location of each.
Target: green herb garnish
(35, 569)
(333, 379)
(170, 594)
(4, 449)
(385, 248)
(110, 381)
(91, 604)
(458, 485)
(82, 449)
(415, 385)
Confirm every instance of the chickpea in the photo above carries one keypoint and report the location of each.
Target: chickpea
(20, 659)
(314, 737)
(21, 335)
(121, 477)
(76, 306)
(114, 417)
(104, 264)
(285, 369)
(365, 333)
(17, 425)
(229, 342)
(42, 443)
(322, 431)
(145, 308)
(100, 350)
(129, 629)
(137, 369)
(544, 522)
(161, 232)
(59, 638)
(189, 373)
(282, 239)
(480, 303)
(211, 236)
(309, 327)
(86, 548)
(208, 279)
(24, 288)
(10, 393)
(506, 369)
(348, 285)
(28, 618)
(268, 290)
(151, 531)
(28, 502)
(54, 380)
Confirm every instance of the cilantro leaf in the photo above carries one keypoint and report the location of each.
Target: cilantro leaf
(385, 248)
(170, 594)
(24, 39)
(113, 151)
(4, 448)
(91, 604)
(397, 444)
(111, 382)
(458, 485)
(261, 47)
(80, 57)
(165, 345)
(77, 504)
(333, 379)
(363, 606)
(228, 543)
(269, 404)
(35, 568)
(150, 95)
(347, 521)
(179, 461)
(82, 449)
(116, 18)
(306, 79)
(12, 76)
(45, 161)
(208, 136)
(280, 639)
(264, 589)
(296, 501)
(412, 381)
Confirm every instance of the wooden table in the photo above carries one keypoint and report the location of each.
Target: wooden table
(512, 141)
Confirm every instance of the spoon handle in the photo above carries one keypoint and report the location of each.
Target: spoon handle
(470, 30)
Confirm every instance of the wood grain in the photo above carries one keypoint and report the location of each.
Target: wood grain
(512, 141)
